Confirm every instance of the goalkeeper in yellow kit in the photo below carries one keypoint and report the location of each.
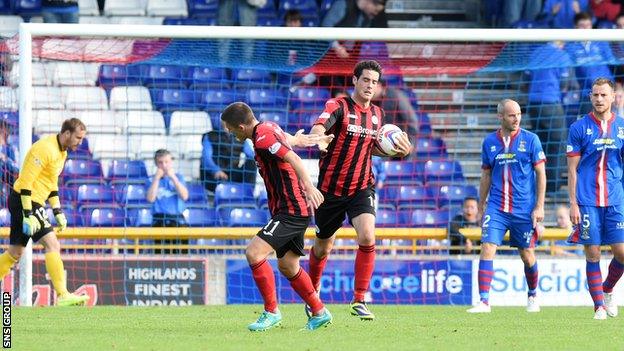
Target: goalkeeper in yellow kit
(38, 182)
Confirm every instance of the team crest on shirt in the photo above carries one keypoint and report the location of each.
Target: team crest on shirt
(541, 155)
(374, 119)
(620, 133)
(589, 131)
(522, 146)
(352, 116)
(492, 148)
(273, 148)
(570, 148)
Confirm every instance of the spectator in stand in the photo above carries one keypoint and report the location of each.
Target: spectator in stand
(515, 10)
(59, 11)
(226, 159)
(563, 222)
(467, 219)
(398, 108)
(618, 107)
(8, 164)
(619, 21)
(292, 18)
(545, 109)
(247, 16)
(560, 13)
(591, 59)
(605, 9)
(167, 192)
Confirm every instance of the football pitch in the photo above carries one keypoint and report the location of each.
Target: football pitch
(396, 328)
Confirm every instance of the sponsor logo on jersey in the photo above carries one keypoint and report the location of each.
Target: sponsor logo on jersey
(324, 115)
(505, 156)
(570, 148)
(352, 116)
(273, 148)
(541, 155)
(361, 131)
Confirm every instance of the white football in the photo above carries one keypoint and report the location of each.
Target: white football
(387, 138)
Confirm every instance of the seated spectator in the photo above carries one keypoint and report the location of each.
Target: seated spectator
(605, 9)
(167, 192)
(398, 108)
(226, 159)
(292, 18)
(515, 10)
(563, 222)
(60, 11)
(560, 13)
(619, 21)
(467, 219)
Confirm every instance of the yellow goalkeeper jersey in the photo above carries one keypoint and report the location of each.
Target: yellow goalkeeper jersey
(42, 167)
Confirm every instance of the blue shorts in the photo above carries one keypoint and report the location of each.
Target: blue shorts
(599, 226)
(495, 224)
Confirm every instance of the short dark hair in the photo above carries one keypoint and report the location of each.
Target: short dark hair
(161, 153)
(72, 125)
(292, 15)
(602, 81)
(237, 113)
(581, 16)
(370, 65)
(470, 198)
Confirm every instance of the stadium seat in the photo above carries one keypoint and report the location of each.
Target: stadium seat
(269, 21)
(430, 148)
(277, 117)
(127, 172)
(11, 118)
(197, 194)
(266, 99)
(310, 98)
(144, 146)
(95, 194)
(124, 8)
(143, 122)
(88, 8)
(199, 77)
(189, 122)
(167, 8)
(247, 217)
(103, 121)
(443, 171)
(27, 8)
(9, 25)
(200, 217)
(104, 217)
(206, 21)
(263, 199)
(130, 98)
(233, 194)
(44, 98)
(94, 20)
(85, 98)
(142, 20)
(5, 7)
(111, 146)
(391, 218)
(5, 217)
(300, 5)
(162, 76)
(430, 218)
(203, 8)
(402, 172)
(115, 75)
(424, 125)
(132, 195)
(82, 171)
(249, 77)
(41, 74)
(75, 73)
(49, 121)
(174, 99)
(142, 216)
(214, 101)
(74, 219)
(454, 195)
(67, 195)
(8, 99)
(415, 196)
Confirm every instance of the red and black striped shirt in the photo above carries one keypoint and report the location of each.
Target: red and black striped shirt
(346, 167)
(284, 188)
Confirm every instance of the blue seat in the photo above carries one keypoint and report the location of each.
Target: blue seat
(74, 219)
(81, 152)
(162, 76)
(210, 20)
(411, 197)
(199, 77)
(424, 124)
(274, 116)
(82, 171)
(402, 172)
(263, 199)
(104, 217)
(11, 118)
(247, 217)
(429, 148)
(214, 100)
(325, 5)
(95, 194)
(310, 98)
(27, 8)
(301, 119)
(443, 171)
(233, 194)
(454, 195)
(247, 76)
(5, 7)
(5, 217)
(269, 21)
(266, 99)
(132, 195)
(67, 195)
(127, 171)
(300, 5)
(197, 194)
(202, 8)
(173, 99)
(201, 217)
(391, 218)
(140, 217)
(430, 218)
(110, 76)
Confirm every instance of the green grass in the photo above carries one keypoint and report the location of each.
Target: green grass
(396, 328)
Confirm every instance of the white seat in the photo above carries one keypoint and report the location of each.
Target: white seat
(75, 73)
(113, 49)
(137, 20)
(88, 8)
(47, 98)
(102, 122)
(312, 166)
(167, 8)
(8, 98)
(145, 145)
(41, 74)
(188, 146)
(130, 98)
(94, 20)
(110, 146)
(49, 121)
(9, 25)
(85, 98)
(143, 122)
(124, 8)
(189, 122)
(188, 168)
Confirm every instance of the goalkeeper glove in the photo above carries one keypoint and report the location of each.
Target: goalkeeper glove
(61, 220)
(30, 224)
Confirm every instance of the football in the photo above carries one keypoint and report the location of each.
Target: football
(386, 138)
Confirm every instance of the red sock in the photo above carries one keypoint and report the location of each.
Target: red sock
(364, 266)
(302, 284)
(265, 281)
(316, 267)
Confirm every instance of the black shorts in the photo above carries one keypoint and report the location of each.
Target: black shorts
(285, 233)
(17, 236)
(330, 215)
